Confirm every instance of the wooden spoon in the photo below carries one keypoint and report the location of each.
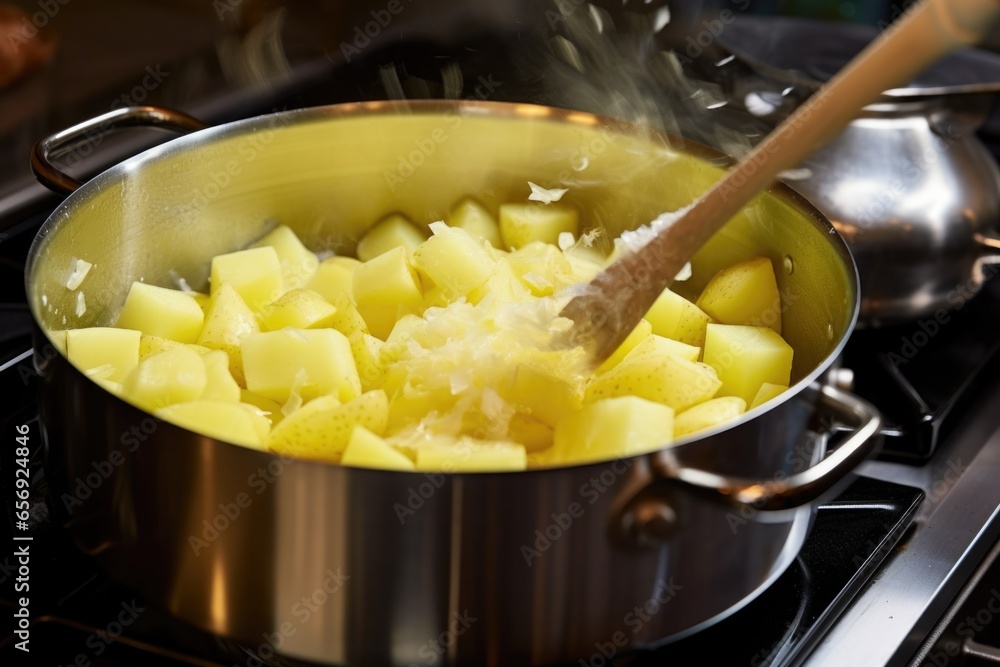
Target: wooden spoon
(608, 308)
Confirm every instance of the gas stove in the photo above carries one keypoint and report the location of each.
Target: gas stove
(901, 567)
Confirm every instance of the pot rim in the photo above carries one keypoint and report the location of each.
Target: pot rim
(63, 215)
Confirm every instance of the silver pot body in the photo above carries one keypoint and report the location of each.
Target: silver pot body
(917, 197)
(348, 566)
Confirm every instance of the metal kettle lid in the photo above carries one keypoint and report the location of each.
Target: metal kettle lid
(810, 52)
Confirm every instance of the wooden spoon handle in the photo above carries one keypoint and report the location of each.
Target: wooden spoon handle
(619, 296)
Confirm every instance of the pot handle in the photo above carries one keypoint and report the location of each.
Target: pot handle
(864, 422)
(61, 142)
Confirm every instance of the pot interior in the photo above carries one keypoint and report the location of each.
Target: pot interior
(330, 173)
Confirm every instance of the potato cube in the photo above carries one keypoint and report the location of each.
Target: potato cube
(312, 361)
(708, 414)
(298, 263)
(272, 409)
(367, 450)
(541, 394)
(613, 428)
(504, 286)
(163, 312)
(174, 376)
(388, 280)
(322, 428)
(747, 357)
(394, 231)
(255, 274)
(471, 216)
(542, 268)
(469, 455)
(745, 293)
(659, 345)
(380, 320)
(227, 322)
(454, 261)
(766, 392)
(666, 379)
(347, 320)
(335, 276)
(298, 309)
(228, 422)
(521, 224)
(639, 333)
(673, 316)
(368, 357)
(533, 433)
(150, 345)
(220, 384)
(114, 350)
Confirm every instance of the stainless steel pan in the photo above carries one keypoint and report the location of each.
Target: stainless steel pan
(339, 565)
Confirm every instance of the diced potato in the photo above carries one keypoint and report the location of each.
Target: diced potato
(201, 299)
(504, 286)
(150, 345)
(116, 349)
(174, 376)
(313, 361)
(473, 217)
(368, 357)
(673, 316)
(454, 261)
(468, 455)
(394, 231)
(388, 280)
(367, 450)
(270, 408)
(659, 345)
(613, 428)
(747, 357)
(158, 311)
(335, 276)
(298, 263)
(640, 333)
(347, 320)
(745, 293)
(542, 268)
(219, 382)
(708, 414)
(766, 392)
(229, 422)
(666, 379)
(255, 274)
(322, 428)
(380, 320)
(540, 394)
(533, 433)
(227, 322)
(521, 224)
(298, 309)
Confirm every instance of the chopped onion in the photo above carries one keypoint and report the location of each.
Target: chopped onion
(546, 196)
(80, 269)
(81, 304)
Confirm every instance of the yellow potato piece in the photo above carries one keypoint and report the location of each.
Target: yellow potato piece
(747, 357)
(469, 455)
(255, 274)
(766, 392)
(745, 293)
(658, 345)
(219, 382)
(665, 379)
(116, 350)
(392, 232)
(673, 316)
(455, 261)
(158, 311)
(298, 263)
(387, 280)
(271, 409)
(612, 428)
(335, 276)
(150, 345)
(708, 414)
(521, 224)
(472, 217)
(322, 428)
(346, 318)
(227, 322)
(229, 422)
(298, 309)
(641, 331)
(312, 361)
(174, 376)
(369, 357)
(367, 450)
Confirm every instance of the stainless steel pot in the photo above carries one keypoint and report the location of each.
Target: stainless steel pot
(340, 565)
